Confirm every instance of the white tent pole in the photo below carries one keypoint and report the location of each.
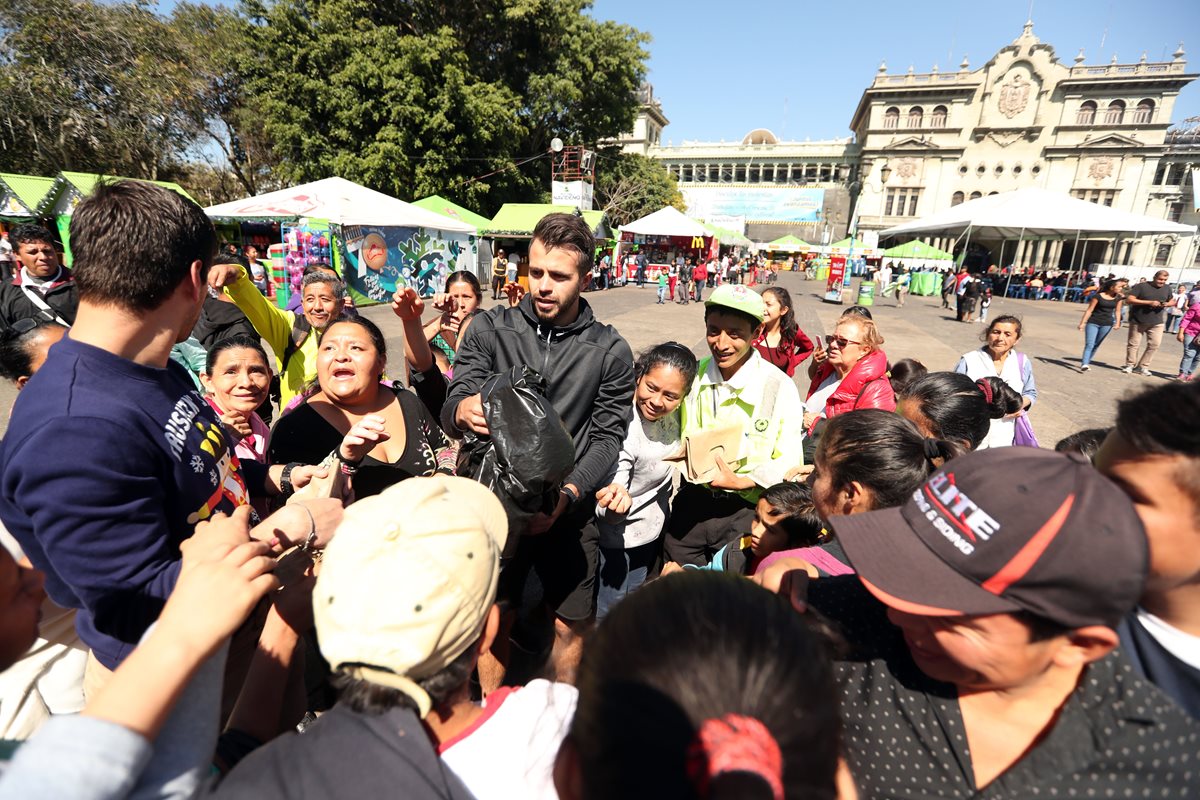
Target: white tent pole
(1074, 253)
(1013, 266)
(966, 244)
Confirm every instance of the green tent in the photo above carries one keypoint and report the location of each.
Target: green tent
(517, 220)
(727, 237)
(844, 244)
(20, 195)
(917, 249)
(440, 205)
(789, 244)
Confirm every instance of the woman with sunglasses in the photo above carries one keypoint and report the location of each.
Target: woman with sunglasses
(852, 374)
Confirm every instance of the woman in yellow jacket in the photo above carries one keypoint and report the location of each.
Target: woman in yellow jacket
(291, 337)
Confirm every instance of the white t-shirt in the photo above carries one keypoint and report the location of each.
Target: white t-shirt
(509, 752)
(816, 403)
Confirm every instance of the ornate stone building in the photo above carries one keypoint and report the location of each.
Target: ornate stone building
(1024, 118)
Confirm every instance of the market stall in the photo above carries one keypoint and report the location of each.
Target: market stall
(924, 263)
(512, 229)
(665, 235)
(376, 242)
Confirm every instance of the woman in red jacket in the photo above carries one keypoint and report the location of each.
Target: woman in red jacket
(853, 375)
(781, 341)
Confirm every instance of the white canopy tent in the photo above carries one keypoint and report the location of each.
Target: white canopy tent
(1036, 213)
(667, 221)
(340, 201)
(1039, 214)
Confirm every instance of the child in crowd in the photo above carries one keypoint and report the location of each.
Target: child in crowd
(632, 509)
(784, 519)
(662, 287)
(985, 302)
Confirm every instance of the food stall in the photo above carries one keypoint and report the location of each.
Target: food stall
(666, 235)
(511, 230)
(376, 242)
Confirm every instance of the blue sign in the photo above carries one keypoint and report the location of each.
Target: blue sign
(755, 203)
(377, 261)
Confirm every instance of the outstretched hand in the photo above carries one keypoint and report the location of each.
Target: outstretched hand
(224, 575)
(407, 304)
(221, 275)
(515, 292)
(729, 480)
(362, 438)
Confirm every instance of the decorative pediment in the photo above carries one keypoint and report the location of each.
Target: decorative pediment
(1111, 140)
(912, 143)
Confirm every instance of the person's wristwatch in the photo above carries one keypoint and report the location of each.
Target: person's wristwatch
(285, 479)
(571, 495)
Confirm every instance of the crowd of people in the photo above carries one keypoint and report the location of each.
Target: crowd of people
(541, 566)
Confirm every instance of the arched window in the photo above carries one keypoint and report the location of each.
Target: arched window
(891, 118)
(976, 195)
(938, 119)
(916, 117)
(1115, 114)
(1144, 113)
(956, 198)
(1086, 114)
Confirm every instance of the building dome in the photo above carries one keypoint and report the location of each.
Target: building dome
(760, 136)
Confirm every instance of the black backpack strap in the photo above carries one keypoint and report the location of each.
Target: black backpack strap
(299, 335)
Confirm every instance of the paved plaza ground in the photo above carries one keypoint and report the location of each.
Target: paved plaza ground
(1068, 400)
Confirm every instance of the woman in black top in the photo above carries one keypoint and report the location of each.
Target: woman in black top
(1103, 313)
(379, 434)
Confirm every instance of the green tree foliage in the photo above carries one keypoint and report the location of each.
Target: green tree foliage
(630, 186)
(91, 86)
(420, 97)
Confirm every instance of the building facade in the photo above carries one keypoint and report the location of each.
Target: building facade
(1099, 133)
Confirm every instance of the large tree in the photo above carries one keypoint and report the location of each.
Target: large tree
(418, 97)
(630, 186)
(92, 86)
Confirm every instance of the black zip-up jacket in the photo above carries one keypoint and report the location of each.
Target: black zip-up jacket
(588, 369)
(61, 296)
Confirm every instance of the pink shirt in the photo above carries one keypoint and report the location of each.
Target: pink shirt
(254, 446)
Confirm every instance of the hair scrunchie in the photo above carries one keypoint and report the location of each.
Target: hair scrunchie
(735, 743)
(986, 388)
(932, 450)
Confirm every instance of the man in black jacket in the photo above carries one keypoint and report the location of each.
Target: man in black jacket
(41, 287)
(588, 369)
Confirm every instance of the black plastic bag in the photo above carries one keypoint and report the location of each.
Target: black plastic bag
(527, 455)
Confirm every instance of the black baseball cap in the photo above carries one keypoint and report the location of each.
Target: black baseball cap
(1005, 530)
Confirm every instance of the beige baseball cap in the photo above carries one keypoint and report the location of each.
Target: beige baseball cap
(408, 579)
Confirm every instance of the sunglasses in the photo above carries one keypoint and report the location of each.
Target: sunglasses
(839, 341)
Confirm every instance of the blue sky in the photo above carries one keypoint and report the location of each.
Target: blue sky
(799, 68)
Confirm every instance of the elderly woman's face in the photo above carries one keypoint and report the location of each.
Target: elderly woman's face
(846, 346)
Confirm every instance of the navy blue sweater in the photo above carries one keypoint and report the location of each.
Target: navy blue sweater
(106, 468)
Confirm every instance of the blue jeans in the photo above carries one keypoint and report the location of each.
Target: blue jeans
(1191, 355)
(662, 294)
(1093, 337)
(1173, 321)
(623, 571)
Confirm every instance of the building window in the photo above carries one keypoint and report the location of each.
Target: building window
(1104, 197)
(916, 117)
(1086, 114)
(1144, 112)
(891, 118)
(956, 198)
(938, 119)
(896, 201)
(1162, 255)
(1115, 114)
(1175, 212)
(976, 195)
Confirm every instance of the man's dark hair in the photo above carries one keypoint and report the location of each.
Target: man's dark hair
(569, 232)
(28, 232)
(793, 501)
(135, 242)
(1086, 442)
(1162, 421)
(366, 697)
